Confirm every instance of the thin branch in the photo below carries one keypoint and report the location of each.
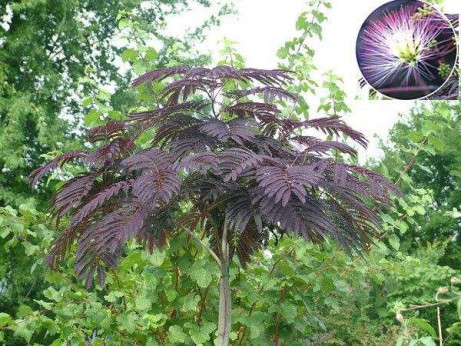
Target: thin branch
(216, 258)
(412, 161)
(418, 307)
(224, 241)
(31, 288)
(277, 319)
(242, 331)
(202, 304)
(439, 323)
(306, 33)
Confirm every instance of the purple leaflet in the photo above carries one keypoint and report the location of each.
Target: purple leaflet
(270, 93)
(235, 162)
(281, 182)
(110, 131)
(98, 200)
(159, 75)
(238, 130)
(254, 110)
(335, 126)
(58, 161)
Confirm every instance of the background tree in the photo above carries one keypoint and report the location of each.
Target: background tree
(424, 145)
(47, 47)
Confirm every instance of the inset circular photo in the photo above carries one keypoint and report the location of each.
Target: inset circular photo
(407, 49)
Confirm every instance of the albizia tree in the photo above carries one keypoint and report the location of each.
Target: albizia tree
(222, 161)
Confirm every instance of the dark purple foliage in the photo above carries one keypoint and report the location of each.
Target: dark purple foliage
(230, 156)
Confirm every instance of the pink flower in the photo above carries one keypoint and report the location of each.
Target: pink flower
(404, 47)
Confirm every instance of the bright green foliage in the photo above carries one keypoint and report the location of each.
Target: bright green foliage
(418, 329)
(426, 146)
(23, 240)
(423, 157)
(298, 56)
(150, 297)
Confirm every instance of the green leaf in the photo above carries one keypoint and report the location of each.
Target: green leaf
(139, 67)
(420, 210)
(427, 341)
(124, 23)
(52, 294)
(30, 248)
(5, 319)
(134, 259)
(22, 331)
(129, 54)
(316, 29)
(289, 312)
(18, 226)
(145, 138)
(113, 296)
(319, 16)
(402, 226)
(152, 342)
(437, 143)
(286, 267)
(128, 322)
(156, 320)
(282, 53)
(28, 211)
(10, 210)
(424, 168)
(151, 54)
(301, 23)
(143, 303)
(202, 334)
(255, 331)
(423, 325)
(91, 117)
(4, 232)
(176, 335)
(388, 219)
(198, 337)
(394, 241)
(171, 295)
(415, 136)
(115, 115)
(190, 303)
(87, 101)
(201, 276)
(157, 258)
(46, 305)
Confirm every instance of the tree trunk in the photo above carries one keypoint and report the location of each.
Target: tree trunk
(224, 325)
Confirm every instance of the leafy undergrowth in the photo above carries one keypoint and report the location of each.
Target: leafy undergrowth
(291, 292)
